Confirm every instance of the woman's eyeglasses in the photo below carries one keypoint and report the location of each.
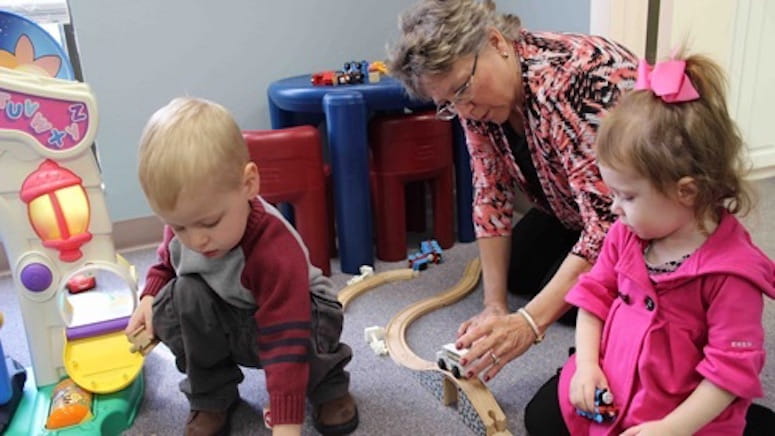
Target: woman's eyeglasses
(446, 110)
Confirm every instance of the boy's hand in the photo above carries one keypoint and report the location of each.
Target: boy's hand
(587, 378)
(142, 317)
(286, 430)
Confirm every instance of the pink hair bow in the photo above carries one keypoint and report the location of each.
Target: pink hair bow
(667, 80)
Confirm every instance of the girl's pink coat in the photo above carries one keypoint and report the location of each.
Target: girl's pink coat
(705, 322)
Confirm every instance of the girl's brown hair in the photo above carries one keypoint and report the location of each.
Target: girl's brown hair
(667, 141)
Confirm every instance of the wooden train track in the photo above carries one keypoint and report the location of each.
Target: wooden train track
(476, 398)
(350, 292)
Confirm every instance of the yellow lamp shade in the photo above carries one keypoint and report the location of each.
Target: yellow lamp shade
(58, 209)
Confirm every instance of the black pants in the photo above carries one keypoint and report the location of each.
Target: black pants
(539, 245)
(211, 339)
(543, 416)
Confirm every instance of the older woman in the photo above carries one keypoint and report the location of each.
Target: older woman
(530, 104)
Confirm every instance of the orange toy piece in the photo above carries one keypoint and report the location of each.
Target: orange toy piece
(141, 341)
(379, 67)
(70, 405)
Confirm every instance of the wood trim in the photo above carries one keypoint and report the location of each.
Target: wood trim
(750, 91)
(764, 160)
(600, 17)
(127, 235)
(664, 30)
(652, 30)
(622, 21)
(740, 100)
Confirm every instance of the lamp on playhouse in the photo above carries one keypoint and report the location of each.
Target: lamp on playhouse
(58, 209)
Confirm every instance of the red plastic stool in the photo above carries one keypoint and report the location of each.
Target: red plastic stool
(410, 148)
(290, 164)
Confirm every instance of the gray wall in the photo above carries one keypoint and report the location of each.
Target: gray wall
(555, 15)
(139, 54)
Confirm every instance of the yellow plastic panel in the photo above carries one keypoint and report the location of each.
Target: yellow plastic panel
(102, 364)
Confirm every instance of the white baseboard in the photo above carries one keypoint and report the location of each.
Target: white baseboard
(762, 173)
(127, 235)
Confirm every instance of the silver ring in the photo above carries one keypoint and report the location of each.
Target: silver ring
(495, 359)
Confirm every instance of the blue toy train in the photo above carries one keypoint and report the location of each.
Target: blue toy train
(430, 252)
(604, 407)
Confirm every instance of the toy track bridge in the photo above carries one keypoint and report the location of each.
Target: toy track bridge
(475, 402)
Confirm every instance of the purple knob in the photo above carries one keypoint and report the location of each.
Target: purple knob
(36, 277)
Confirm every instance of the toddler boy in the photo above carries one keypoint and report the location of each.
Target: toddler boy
(233, 285)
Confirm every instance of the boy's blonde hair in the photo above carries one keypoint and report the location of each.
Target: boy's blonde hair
(664, 142)
(185, 145)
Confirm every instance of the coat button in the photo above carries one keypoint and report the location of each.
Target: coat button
(625, 298)
(649, 304)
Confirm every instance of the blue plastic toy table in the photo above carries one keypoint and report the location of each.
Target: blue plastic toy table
(294, 101)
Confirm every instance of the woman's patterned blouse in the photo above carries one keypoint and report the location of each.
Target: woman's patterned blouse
(570, 81)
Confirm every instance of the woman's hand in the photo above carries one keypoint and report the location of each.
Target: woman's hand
(142, 316)
(653, 428)
(489, 310)
(494, 340)
(588, 377)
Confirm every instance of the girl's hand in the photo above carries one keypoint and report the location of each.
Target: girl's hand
(494, 341)
(587, 378)
(142, 316)
(652, 428)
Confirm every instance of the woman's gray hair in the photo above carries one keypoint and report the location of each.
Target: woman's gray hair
(434, 34)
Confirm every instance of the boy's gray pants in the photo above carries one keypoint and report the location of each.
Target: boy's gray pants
(211, 339)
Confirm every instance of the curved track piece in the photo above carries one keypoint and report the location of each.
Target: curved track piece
(477, 405)
(349, 292)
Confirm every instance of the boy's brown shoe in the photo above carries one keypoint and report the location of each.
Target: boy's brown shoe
(209, 423)
(336, 417)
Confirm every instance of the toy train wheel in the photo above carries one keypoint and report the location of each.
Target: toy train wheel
(442, 364)
(456, 372)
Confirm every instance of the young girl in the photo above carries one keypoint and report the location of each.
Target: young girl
(670, 315)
